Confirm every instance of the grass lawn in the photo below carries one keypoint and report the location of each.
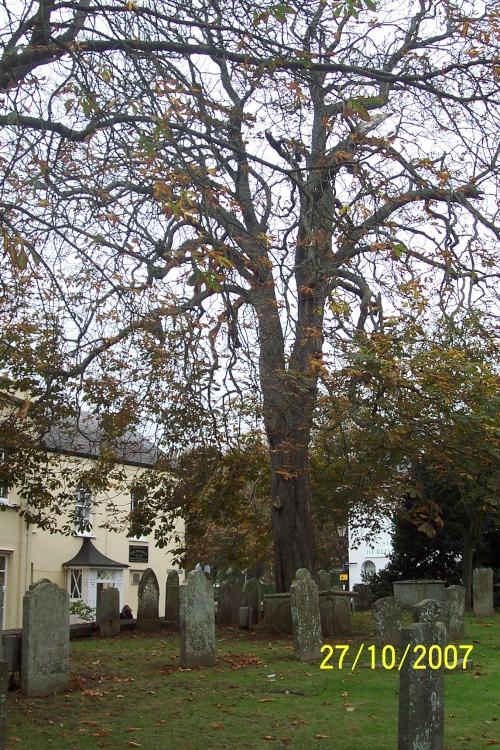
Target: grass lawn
(130, 692)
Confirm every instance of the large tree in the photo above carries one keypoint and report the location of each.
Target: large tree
(222, 193)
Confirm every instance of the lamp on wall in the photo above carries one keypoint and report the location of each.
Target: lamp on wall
(341, 530)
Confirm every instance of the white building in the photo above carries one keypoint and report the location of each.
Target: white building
(368, 557)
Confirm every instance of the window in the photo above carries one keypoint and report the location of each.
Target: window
(136, 516)
(75, 584)
(368, 569)
(135, 502)
(105, 575)
(83, 511)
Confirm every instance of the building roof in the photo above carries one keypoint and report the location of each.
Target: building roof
(83, 437)
(90, 557)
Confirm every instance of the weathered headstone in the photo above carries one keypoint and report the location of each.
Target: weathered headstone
(245, 618)
(455, 612)
(252, 597)
(197, 622)
(109, 613)
(148, 618)
(37, 583)
(421, 691)
(45, 659)
(172, 600)
(429, 610)
(229, 601)
(306, 620)
(3, 681)
(482, 592)
(324, 580)
(361, 602)
(388, 623)
(3, 701)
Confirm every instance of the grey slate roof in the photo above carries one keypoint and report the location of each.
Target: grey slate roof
(83, 437)
(90, 557)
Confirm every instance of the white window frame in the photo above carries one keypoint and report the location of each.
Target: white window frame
(371, 570)
(135, 503)
(74, 572)
(83, 510)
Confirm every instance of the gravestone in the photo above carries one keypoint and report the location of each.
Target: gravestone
(429, 610)
(45, 638)
(109, 613)
(388, 623)
(482, 592)
(229, 601)
(455, 612)
(148, 618)
(245, 618)
(3, 680)
(197, 622)
(324, 580)
(421, 691)
(306, 620)
(3, 701)
(361, 603)
(252, 597)
(172, 600)
(37, 583)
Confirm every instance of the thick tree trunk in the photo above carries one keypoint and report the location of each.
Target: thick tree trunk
(291, 516)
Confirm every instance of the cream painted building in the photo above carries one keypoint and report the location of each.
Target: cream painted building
(88, 559)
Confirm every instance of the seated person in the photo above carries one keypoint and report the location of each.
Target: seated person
(126, 613)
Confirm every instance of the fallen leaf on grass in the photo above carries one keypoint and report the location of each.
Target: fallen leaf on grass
(266, 700)
(133, 729)
(218, 725)
(493, 742)
(269, 737)
(133, 744)
(321, 736)
(15, 739)
(349, 709)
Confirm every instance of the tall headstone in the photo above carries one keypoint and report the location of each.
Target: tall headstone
(148, 618)
(109, 613)
(197, 621)
(306, 619)
(252, 597)
(172, 600)
(45, 660)
(229, 601)
(421, 691)
(388, 623)
(455, 612)
(324, 580)
(482, 592)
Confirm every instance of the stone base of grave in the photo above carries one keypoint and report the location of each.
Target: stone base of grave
(335, 611)
(278, 613)
(410, 593)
